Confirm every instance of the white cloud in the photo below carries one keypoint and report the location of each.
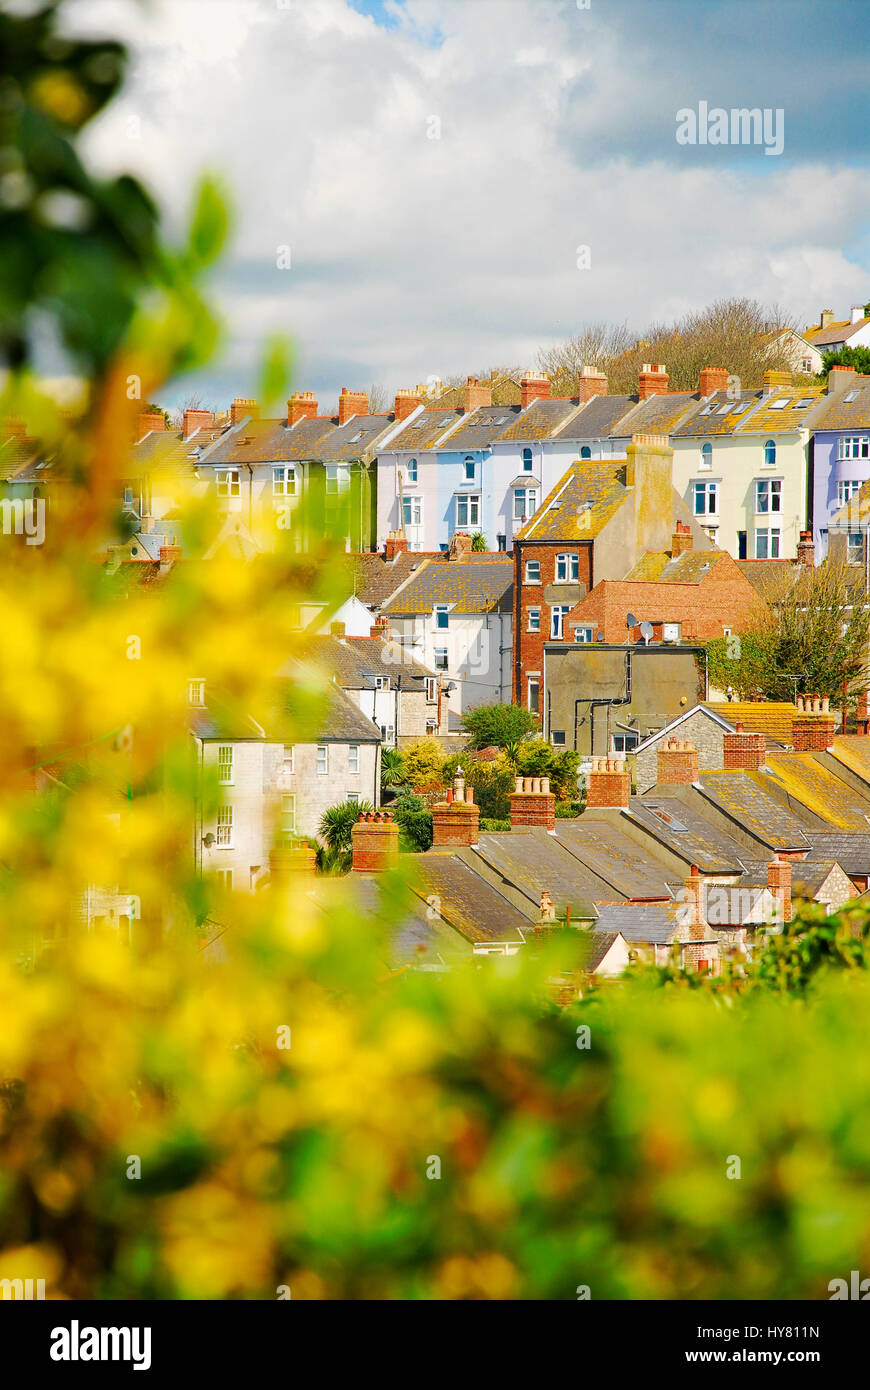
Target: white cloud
(414, 255)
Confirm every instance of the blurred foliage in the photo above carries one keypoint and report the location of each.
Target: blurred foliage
(264, 1103)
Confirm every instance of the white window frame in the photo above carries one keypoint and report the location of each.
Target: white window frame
(525, 510)
(224, 878)
(196, 693)
(533, 683)
(412, 470)
(853, 446)
(441, 610)
(584, 634)
(353, 758)
(537, 565)
(288, 814)
(412, 511)
(228, 482)
(388, 735)
(431, 690)
(436, 655)
(225, 764)
(323, 759)
(289, 758)
(847, 489)
(769, 492)
(283, 480)
(769, 462)
(469, 463)
(337, 479)
(528, 461)
(709, 490)
(558, 614)
(855, 547)
(534, 620)
(469, 503)
(568, 562)
(224, 828)
(382, 682)
(773, 537)
(352, 797)
(706, 453)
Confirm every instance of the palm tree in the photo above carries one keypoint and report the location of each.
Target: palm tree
(337, 822)
(393, 772)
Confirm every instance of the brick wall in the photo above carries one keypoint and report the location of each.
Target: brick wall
(529, 646)
(677, 763)
(743, 750)
(707, 737)
(532, 803)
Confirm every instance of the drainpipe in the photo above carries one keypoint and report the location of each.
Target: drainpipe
(250, 468)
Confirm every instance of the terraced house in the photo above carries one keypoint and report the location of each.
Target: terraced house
(840, 461)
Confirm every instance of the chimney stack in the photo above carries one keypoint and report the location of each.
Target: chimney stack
(806, 550)
(455, 820)
(533, 388)
(856, 313)
(652, 380)
(380, 628)
(681, 541)
(196, 420)
(826, 318)
(772, 380)
(713, 379)
(169, 556)
(302, 405)
(375, 842)
(591, 383)
(149, 421)
(460, 546)
(779, 883)
(814, 726)
(406, 403)
(532, 803)
(395, 544)
(863, 713)
(351, 403)
(840, 379)
(694, 914)
(743, 752)
(243, 408)
(608, 784)
(475, 395)
(676, 763)
(547, 910)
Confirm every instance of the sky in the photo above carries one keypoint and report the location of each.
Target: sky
(412, 179)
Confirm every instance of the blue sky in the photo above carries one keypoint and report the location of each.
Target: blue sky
(435, 164)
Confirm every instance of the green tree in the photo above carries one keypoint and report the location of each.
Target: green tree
(478, 541)
(497, 726)
(393, 771)
(424, 763)
(538, 758)
(857, 357)
(414, 820)
(492, 782)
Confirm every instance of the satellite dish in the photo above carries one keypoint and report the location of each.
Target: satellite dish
(646, 632)
(630, 620)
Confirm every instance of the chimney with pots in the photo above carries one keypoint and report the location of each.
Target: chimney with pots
(375, 842)
(694, 914)
(826, 318)
(475, 395)
(856, 313)
(243, 408)
(380, 628)
(547, 910)
(779, 883)
(652, 380)
(713, 379)
(169, 556)
(196, 420)
(591, 383)
(840, 379)
(532, 803)
(681, 541)
(806, 550)
(863, 713)
(395, 544)
(772, 380)
(302, 405)
(743, 752)
(460, 546)
(351, 403)
(455, 820)
(406, 403)
(676, 763)
(286, 861)
(150, 421)
(814, 726)
(533, 388)
(608, 784)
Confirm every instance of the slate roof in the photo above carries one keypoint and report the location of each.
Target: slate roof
(356, 661)
(470, 905)
(533, 861)
(692, 567)
(718, 414)
(426, 430)
(657, 923)
(21, 456)
(771, 579)
(853, 751)
(656, 415)
(337, 719)
(851, 852)
(375, 578)
(469, 586)
(320, 439)
(600, 943)
(481, 427)
(808, 876)
(540, 419)
(747, 797)
(680, 826)
(769, 418)
(821, 791)
(836, 413)
(597, 418)
(414, 935)
(600, 844)
(561, 514)
(168, 453)
(769, 717)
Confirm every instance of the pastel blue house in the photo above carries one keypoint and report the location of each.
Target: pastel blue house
(840, 458)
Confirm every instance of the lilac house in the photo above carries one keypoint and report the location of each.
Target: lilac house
(840, 449)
